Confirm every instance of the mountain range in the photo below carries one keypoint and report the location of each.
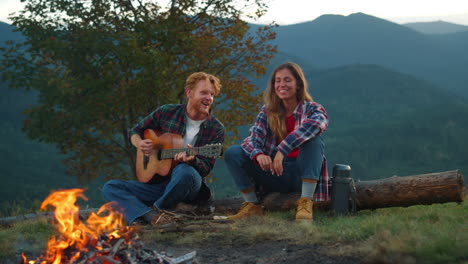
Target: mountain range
(394, 96)
(436, 27)
(335, 40)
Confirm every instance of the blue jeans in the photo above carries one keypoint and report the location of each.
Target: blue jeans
(136, 198)
(247, 173)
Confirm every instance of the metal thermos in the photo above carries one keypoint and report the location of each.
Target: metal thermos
(342, 188)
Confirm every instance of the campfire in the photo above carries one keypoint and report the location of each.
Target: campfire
(103, 238)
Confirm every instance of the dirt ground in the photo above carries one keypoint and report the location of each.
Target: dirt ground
(261, 253)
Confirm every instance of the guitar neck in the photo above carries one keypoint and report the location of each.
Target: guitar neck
(170, 153)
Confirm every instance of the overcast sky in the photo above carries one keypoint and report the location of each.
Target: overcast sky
(295, 11)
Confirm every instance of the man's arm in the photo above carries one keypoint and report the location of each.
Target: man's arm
(145, 145)
(204, 164)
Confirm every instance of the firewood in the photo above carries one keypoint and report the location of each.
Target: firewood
(116, 247)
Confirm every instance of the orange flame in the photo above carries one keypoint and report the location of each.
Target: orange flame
(75, 233)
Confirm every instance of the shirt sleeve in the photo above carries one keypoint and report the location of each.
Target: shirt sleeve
(314, 123)
(151, 121)
(205, 164)
(253, 145)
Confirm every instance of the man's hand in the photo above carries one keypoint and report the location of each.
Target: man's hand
(183, 157)
(146, 146)
(278, 164)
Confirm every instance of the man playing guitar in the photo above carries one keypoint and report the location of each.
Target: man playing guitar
(180, 178)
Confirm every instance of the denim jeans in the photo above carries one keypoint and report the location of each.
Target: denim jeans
(136, 198)
(247, 173)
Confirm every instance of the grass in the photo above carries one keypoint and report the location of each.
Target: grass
(29, 237)
(418, 234)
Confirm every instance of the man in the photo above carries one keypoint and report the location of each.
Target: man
(193, 121)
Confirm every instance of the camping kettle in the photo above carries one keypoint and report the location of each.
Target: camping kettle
(343, 191)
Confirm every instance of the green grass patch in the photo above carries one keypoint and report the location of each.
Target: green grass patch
(428, 234)
(417, 234)
(28, 237)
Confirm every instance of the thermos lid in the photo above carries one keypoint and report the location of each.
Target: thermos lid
(341, 171)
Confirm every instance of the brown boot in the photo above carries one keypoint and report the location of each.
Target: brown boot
(304, 209)
(248, 209)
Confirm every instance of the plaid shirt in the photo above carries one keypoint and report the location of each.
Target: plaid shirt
(171, 118)
(311, 120)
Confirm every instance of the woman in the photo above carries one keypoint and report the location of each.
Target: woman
(285, 151)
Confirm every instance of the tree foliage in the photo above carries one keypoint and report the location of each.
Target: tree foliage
(101, 65)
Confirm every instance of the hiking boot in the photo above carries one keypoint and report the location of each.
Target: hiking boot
(248, 209)
(304, 209)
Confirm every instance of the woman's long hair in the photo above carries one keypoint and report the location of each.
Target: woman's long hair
(274, 105)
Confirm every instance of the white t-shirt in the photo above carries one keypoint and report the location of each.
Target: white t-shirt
(192, 128)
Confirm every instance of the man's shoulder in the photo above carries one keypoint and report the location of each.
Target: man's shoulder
(214, 122)
(170, 107)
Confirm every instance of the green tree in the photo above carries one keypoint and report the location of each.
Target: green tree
(99, 66)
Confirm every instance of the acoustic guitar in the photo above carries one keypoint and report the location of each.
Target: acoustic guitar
(166, 145)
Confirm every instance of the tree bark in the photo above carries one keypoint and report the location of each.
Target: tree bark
(423, 189)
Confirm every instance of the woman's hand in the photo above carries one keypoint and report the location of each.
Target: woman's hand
(278, 164)
(264, 161)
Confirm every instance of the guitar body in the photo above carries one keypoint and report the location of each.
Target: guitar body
(166, 145)
(156, 166)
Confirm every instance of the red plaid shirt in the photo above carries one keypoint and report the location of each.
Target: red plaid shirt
(311, 120)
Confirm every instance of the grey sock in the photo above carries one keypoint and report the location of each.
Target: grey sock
(308, 189)
(250, 197)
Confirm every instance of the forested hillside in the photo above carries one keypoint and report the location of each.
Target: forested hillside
(29, 170)
(384, 123)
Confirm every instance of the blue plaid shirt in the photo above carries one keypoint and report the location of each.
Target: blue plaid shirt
(311, 120)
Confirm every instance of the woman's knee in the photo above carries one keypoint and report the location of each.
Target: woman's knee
(235, 156)
(233, 152)
(316, 142)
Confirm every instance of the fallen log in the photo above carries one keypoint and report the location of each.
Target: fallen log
(422, 189)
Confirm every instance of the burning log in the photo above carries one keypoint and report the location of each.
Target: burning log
(102, 238)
